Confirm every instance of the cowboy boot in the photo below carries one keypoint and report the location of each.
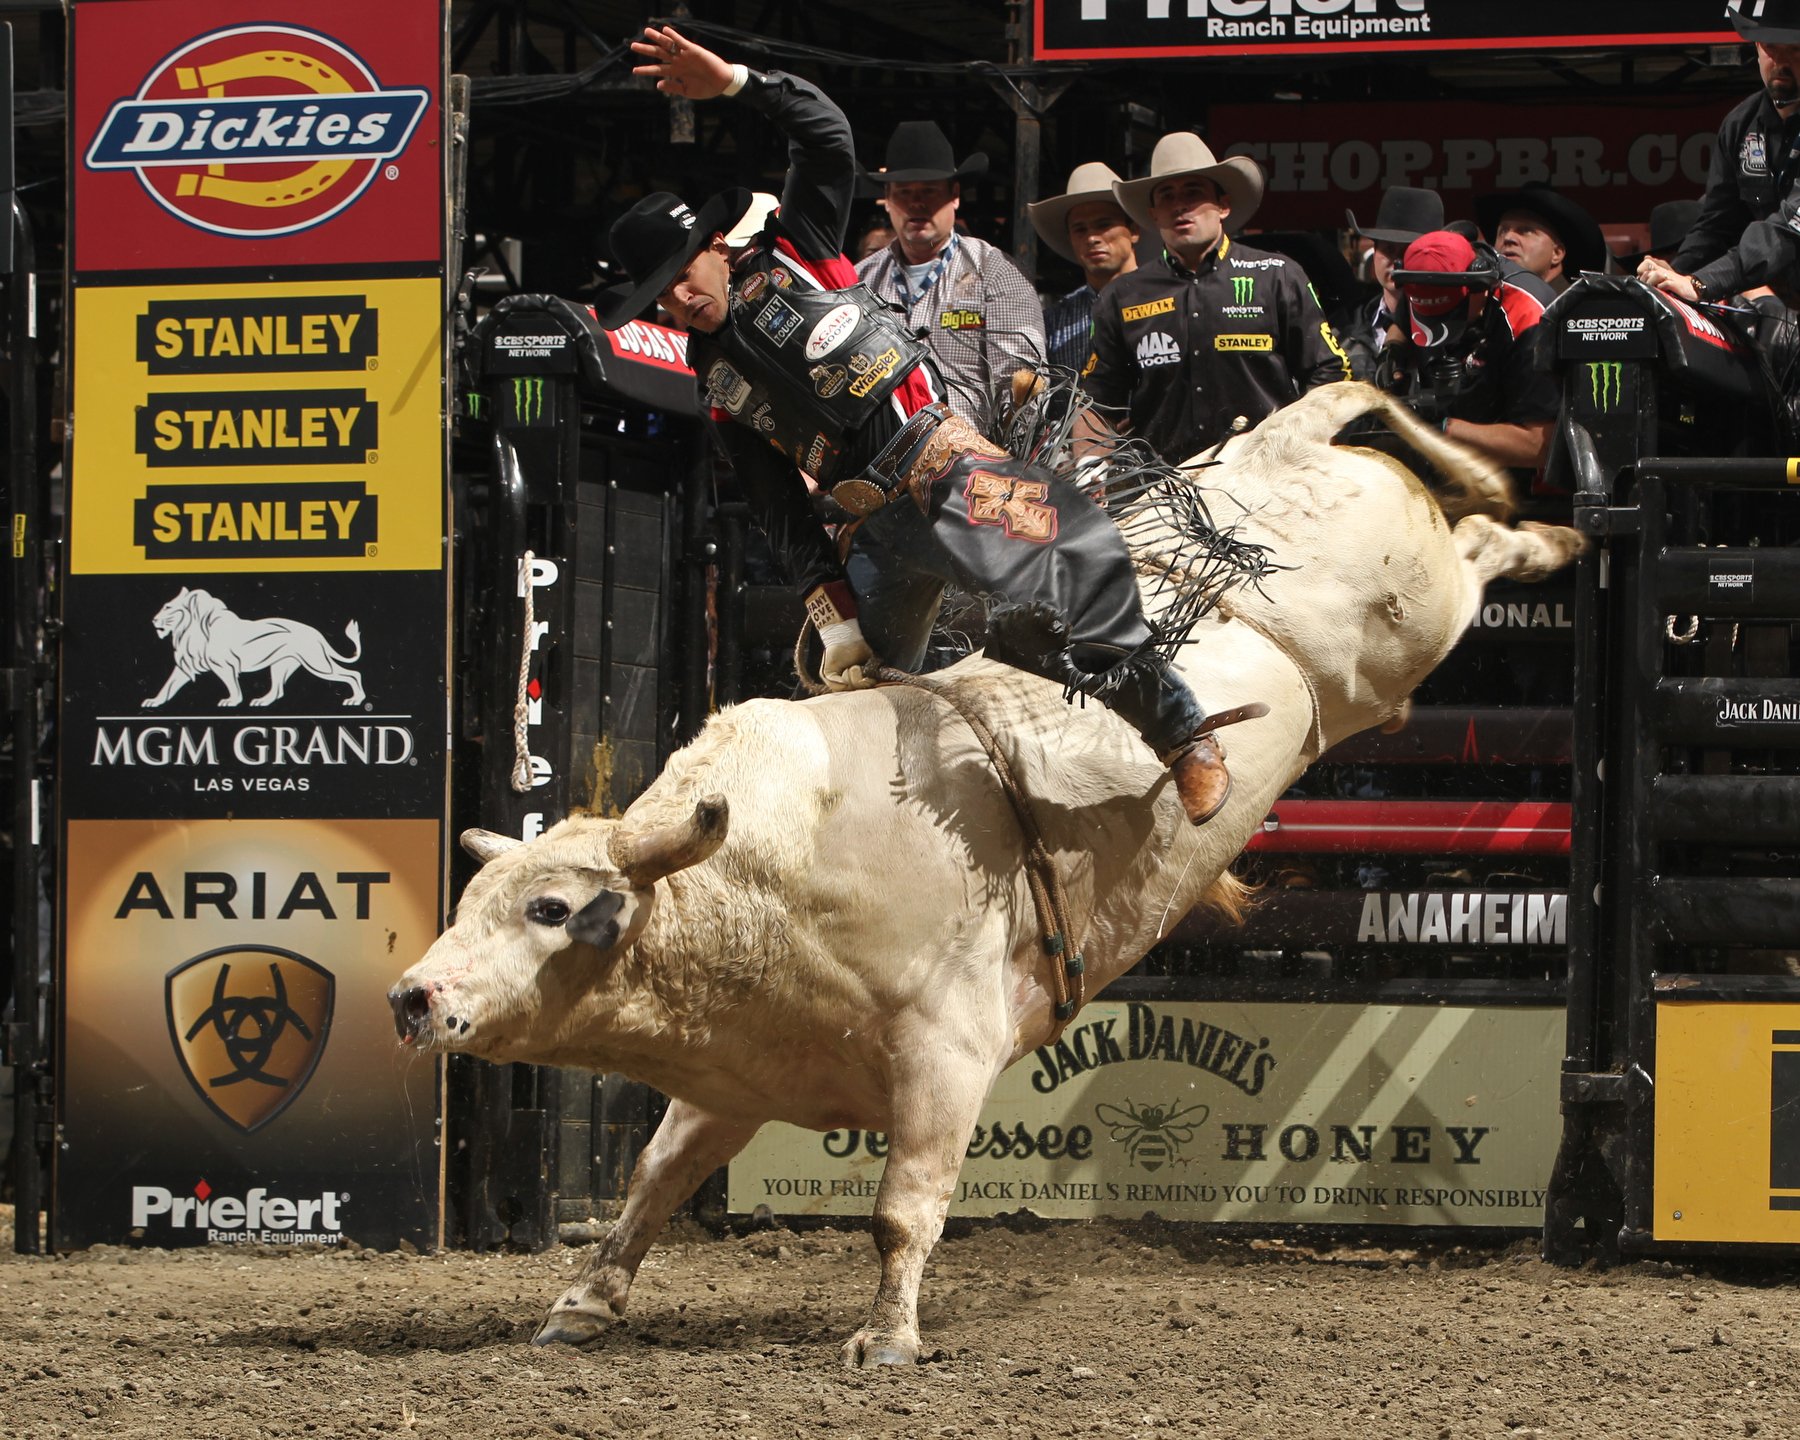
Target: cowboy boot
(1197, 765)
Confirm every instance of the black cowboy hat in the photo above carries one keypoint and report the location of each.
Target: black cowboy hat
(1404, 216)
(653, 242)
(1669, 226)
(918, 150)
(1772, 22)
(1583, 245)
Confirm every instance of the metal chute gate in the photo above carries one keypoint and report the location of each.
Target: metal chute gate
(1684, 1007)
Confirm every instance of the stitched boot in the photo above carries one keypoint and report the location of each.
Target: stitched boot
(1197, 765)
(1201, 779)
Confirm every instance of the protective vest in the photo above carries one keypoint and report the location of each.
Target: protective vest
(803, 367)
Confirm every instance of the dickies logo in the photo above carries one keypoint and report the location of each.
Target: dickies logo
(1158, 348)
(258, 130)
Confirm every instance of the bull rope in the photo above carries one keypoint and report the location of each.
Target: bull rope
(521, 771)
(1048, 895)
(1068, 980)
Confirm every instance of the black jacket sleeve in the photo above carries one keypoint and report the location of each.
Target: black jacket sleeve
(821, 177)
(1723, 211)
(780, 505)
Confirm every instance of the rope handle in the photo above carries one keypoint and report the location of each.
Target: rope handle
(521, 771)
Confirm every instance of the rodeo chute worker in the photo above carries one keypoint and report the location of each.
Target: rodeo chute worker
(804, 369)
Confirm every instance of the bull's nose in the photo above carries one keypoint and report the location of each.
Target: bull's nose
(412, 1011)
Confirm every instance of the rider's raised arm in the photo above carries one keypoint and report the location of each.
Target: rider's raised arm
(821, 178)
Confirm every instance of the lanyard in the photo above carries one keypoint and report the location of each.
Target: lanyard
(931, 276)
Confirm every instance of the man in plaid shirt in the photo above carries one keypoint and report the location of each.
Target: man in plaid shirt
(982, 318)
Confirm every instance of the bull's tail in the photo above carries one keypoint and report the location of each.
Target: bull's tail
(354, 631)
(1472, 485)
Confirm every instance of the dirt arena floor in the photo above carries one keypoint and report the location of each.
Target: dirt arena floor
(1102, 1328)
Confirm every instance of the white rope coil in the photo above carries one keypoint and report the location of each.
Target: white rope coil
(521, 773)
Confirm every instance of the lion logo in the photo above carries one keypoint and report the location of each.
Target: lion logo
(208, 636)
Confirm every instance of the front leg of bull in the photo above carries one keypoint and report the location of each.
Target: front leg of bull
(934, 1113)
(688, 1146)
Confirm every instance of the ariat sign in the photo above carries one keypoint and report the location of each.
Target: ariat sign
(257, 130)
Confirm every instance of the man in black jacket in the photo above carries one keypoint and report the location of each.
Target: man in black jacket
(806, 370)
(1213, 331)
(1748, 233)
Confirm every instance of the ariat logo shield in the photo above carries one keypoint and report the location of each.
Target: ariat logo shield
(258, 130)
(528, 399)
(1606, 381)
(249, 1025)
(1243, 289)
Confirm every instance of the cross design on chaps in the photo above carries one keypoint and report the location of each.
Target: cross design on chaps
(1014, 505)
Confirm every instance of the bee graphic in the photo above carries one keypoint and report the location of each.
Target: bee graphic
(1152, 1134)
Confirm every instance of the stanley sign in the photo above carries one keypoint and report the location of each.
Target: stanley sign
(258, 427)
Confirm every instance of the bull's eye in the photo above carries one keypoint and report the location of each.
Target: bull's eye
(547, 910)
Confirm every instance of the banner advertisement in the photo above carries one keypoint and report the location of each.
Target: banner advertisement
(1126, 29)
(1727, 1148)
(1615, 161)
(202, 139)
(1264, 1113)
(252, 762)
(253, 697)
(256, 1094)
(237, 428)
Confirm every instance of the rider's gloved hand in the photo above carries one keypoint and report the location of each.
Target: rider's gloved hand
(850, 662)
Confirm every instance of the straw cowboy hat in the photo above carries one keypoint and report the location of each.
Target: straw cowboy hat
(1240, 179)
(1772, 22)
(1091, 183)
(653, 242)
(919, 150)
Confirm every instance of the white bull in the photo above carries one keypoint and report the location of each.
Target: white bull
(819, 913)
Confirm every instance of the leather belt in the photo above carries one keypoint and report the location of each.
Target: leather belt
(918, 452)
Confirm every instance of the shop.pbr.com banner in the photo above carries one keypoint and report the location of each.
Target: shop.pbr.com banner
(1105, 29)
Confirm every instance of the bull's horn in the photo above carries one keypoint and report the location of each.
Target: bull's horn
(645, 859)
(485, 845)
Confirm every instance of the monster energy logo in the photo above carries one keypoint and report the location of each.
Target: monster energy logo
(528, 399)
(1243, 289)
(474, 400)
(1606, 379)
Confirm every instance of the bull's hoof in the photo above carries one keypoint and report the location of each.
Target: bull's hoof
(571, 1322)
(876, 1347)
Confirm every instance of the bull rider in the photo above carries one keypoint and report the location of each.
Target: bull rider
(804, 369)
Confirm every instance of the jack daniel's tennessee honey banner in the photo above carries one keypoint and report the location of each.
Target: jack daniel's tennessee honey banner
(252, 767)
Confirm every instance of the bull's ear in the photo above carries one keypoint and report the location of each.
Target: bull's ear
(597, 922)
(644, 859)
(485, 845)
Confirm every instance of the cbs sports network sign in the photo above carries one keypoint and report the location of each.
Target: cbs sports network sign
(252, 765)
(1115, 29)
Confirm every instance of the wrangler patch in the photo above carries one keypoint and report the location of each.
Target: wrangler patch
(1164, 306)
(879, 369)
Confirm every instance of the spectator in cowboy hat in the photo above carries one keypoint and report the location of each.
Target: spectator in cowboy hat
(1213, 332)
(1744, 237)
(1086, 225)
(1403, 216)
(980, 314)
(1669, 226)
(1543, 232)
